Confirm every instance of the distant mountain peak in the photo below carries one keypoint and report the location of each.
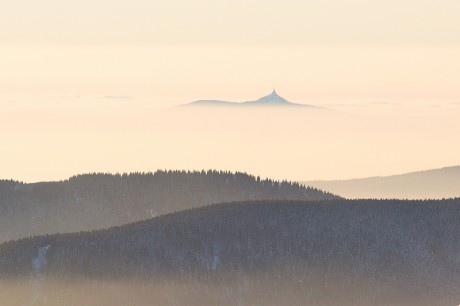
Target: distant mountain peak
(274, 93)
(271, 100)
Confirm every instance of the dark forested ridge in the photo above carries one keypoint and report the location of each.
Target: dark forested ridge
(96, 201)
(374, 252)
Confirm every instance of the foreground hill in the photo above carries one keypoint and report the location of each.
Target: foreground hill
(321, 253)
(96, 201)
(430, 184)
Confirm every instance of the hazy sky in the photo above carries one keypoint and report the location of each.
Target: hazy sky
(84, 85)
(231, 22)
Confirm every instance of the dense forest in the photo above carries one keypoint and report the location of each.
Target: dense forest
(96, 201)
(360, 252)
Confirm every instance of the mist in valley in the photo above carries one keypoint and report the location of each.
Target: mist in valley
(243, 291)
(335, 142)
(371, 267)
(233, 153)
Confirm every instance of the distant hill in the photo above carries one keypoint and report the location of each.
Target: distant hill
(272, 100)
(343, 252)
(95, 201)
(430, 184)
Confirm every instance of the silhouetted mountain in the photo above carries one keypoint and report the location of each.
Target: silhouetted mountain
(365, 252)
(430, 184)
(272, 100)
(96, 201)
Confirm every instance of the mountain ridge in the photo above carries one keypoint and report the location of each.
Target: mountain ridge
(271, 100)
(435, 183)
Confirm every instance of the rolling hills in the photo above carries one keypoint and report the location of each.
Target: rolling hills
(96, 201)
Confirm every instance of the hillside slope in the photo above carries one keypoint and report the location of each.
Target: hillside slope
(355, 252)
(430, 184)
(96, 201)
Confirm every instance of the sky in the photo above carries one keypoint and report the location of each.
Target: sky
(90, 86)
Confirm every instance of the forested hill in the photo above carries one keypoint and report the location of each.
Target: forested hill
(377, 252)
(95, 201)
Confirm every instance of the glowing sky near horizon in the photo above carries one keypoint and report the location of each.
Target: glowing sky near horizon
(84, 85)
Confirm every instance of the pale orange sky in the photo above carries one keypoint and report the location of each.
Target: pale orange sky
(231, 22)
(86, 86)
